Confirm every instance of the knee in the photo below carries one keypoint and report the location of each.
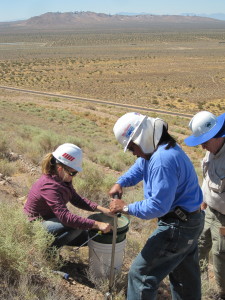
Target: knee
(136, 274)
(133, 272)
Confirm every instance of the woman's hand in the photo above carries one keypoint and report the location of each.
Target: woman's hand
(104, 227)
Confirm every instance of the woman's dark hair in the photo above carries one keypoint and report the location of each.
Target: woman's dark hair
(166, 138)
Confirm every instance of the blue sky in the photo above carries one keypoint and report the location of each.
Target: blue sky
(24, 9)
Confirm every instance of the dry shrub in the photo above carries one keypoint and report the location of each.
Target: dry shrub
(7, 168)
(92, 182)
(24, 244)
(26, 258)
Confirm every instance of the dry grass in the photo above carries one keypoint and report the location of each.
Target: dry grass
(175, 70)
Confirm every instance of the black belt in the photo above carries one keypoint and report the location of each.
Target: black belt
(179, 213)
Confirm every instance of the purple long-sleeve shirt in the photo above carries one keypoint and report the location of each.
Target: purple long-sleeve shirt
(48, 198)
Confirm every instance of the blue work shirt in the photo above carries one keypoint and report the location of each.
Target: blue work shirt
(169, 180)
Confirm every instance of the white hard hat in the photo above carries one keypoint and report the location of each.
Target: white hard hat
(204, 126)
(142, 130)
(69, 155)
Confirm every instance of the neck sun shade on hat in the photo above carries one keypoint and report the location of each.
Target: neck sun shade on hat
(142, 130)
(205, 126)
(69, 155)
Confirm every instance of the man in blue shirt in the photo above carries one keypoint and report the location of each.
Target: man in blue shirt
(171, 194)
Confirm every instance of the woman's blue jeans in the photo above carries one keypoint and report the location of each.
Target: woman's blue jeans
(171, 250)
(65, 235)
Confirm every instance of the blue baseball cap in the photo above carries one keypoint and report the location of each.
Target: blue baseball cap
(205, 126)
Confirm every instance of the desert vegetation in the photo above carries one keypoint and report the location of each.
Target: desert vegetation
(33, 126)
(175, 70)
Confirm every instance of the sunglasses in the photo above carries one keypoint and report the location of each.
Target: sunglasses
(69, 172)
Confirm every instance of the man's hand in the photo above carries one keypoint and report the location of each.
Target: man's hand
(116, 190)
(116, 205)
(203, 206)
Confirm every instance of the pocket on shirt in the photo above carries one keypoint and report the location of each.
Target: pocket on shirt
(217, 185)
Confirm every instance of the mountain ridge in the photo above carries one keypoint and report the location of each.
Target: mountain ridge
(79, 19)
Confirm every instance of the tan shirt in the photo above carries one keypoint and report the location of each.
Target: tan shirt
(213, 186)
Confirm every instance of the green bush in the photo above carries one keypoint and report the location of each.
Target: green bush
(92, 183)
(26, 260)
(7, 168)
(34, 142)
(117, 161)
(3, 145)
(127, 158)
(23, 245)
(47, 141)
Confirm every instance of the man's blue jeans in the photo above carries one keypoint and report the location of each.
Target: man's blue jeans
(171, 250)
(65, 235)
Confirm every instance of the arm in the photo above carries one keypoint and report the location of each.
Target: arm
(87, 204)
(133, 176)
(160, 192)
(82, 202)
(102, 209)
(130, 178)
(51, 195)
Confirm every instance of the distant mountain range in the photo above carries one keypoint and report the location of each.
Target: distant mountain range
(217, 16)
(84, 19)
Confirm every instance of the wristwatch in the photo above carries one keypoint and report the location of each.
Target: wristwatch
(125, 209)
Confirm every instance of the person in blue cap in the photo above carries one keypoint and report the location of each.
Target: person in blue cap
(209, 132)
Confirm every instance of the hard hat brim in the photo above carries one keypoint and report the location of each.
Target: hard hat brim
(198, 140)
(78, 169)
(134, 132)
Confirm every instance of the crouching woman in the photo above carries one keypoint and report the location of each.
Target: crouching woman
(47, 200)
